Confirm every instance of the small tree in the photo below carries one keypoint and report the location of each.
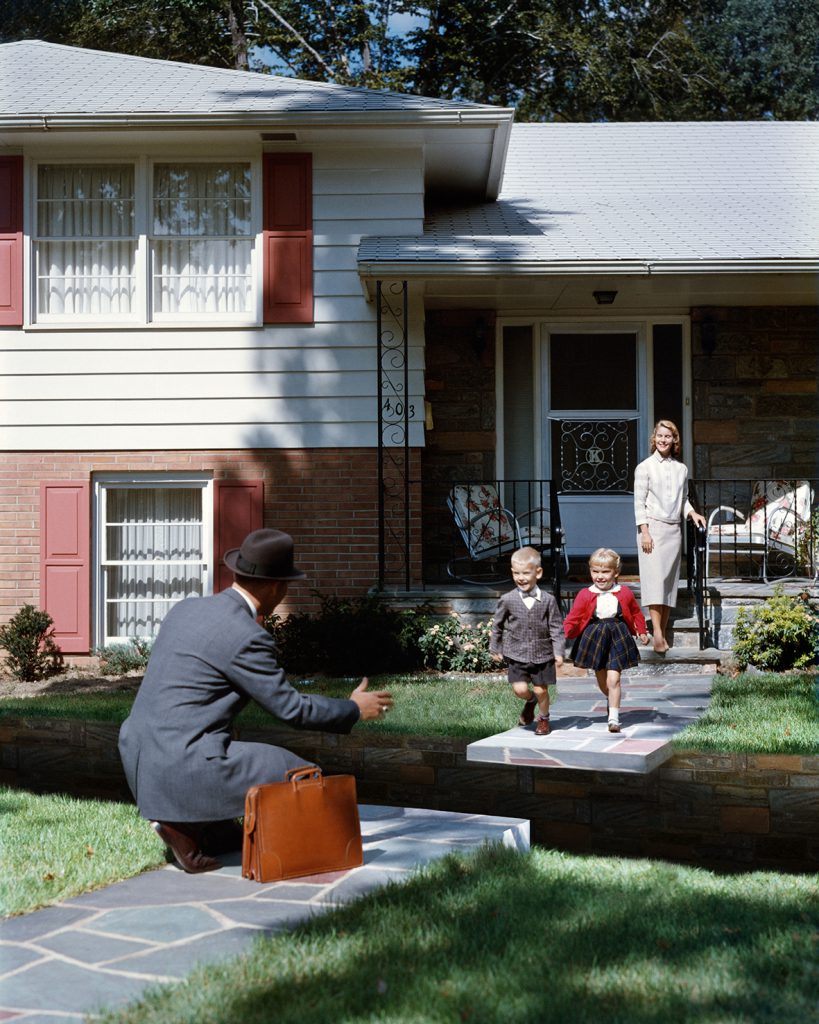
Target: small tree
(28, 637)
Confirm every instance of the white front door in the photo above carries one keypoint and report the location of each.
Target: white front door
(594, 399)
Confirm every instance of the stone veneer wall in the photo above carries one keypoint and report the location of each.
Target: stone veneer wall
(756, 395)
(460, 388)
(726, 811)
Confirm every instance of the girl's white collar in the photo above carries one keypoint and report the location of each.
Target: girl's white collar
(612, 590)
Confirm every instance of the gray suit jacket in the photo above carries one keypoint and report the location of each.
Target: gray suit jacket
(533, 636)
(209, 660)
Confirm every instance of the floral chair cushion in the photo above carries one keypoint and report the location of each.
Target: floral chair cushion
(485, 525)
(780, 510)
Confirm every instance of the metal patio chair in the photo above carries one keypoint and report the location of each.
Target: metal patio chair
(491, 532)
(774, 531)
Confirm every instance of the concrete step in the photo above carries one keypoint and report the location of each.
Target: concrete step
(653, 711)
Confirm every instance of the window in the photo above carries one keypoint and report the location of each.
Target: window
(86, 243)
(99, 253)
(152, 540)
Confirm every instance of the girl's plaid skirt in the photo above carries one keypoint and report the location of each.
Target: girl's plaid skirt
(606, 643)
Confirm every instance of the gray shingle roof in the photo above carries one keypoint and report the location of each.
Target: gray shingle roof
(38, 78)
(576, 195)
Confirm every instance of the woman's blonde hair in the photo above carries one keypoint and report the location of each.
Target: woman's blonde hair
(676, 447)
(605, 556)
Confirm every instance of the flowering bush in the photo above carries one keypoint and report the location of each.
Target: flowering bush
(778, 635)
(451, 645)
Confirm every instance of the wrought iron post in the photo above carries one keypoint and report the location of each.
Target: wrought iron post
(394, 414)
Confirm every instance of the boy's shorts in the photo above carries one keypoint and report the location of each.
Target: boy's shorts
(543, 674)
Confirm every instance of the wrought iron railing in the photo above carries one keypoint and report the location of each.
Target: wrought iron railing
(492, 518)
(764, 530)
(698, 584)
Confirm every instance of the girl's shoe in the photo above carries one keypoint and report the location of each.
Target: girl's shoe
(614, 726)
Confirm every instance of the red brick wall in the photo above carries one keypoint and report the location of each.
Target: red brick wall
(326, 498)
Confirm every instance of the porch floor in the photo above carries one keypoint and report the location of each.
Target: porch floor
(654, 709)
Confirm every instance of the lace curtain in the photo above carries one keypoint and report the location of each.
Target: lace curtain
(86, 250)
(153, 556)
(200, 239)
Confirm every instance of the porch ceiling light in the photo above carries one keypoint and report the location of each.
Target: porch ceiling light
(604, 298)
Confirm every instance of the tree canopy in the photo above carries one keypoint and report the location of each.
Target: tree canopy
(577, 60)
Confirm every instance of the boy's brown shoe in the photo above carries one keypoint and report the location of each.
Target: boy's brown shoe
(527, 716)
(543, 728)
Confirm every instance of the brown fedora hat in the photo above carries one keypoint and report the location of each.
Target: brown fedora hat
(264, 555)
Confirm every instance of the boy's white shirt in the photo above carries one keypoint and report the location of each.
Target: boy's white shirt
(607, 603)
(529, 597)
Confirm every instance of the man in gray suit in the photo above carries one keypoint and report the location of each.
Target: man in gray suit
(209, 660)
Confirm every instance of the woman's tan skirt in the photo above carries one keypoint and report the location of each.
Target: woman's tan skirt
(660, 571)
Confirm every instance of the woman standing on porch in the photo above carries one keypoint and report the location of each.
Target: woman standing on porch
(659, 502)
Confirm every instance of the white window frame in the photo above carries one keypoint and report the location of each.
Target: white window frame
(102, 482)
(142, 315)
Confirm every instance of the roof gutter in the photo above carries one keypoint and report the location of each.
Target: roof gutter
(258, 119)
(629, 268)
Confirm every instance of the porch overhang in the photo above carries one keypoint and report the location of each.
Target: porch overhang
(565, 284)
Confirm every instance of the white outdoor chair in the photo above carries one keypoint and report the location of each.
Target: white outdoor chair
(491, 531)
(774, 529)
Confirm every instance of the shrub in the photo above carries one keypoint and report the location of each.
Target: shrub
(119, 659)
(451, 645)
(28, 637)
(354, 637)
(778, 635)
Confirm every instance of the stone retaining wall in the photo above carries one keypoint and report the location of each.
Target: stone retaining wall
(724, 811)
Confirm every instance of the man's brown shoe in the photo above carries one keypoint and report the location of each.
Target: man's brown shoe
(527, 716)
(543, 728)
(182, 839)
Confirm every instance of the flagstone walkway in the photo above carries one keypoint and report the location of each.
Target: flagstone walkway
(105, 948)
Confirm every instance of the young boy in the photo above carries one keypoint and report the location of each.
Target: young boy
(528, 632)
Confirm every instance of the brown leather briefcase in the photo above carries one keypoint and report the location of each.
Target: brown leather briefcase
(306, 825)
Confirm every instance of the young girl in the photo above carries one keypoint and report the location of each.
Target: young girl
(604, 618)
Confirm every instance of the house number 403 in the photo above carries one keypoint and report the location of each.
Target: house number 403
(397, 409)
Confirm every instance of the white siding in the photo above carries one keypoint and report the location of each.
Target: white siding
(288, 386)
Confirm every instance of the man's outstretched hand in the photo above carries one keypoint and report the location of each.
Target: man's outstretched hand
(371, 704)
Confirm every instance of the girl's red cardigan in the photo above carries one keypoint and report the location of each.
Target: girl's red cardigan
(583, 609)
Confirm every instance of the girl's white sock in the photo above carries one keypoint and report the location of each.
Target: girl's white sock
(614, 715)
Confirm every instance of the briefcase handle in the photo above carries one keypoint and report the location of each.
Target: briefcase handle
(304, 774)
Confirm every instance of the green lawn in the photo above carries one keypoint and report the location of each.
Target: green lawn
(764, 714)
(758, 714)
(53, 847)
(539, 938)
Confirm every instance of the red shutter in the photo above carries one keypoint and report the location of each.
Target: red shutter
(238, 510)
(65, 562)
(288, 238)
(11, 241)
